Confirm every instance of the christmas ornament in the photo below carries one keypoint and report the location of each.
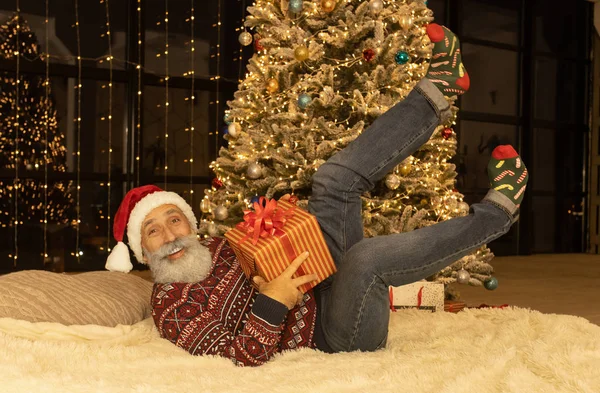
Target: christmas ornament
(255, 199)
(217, 183)
(304, 100)
(463, 277)
(221, 213)
(293, 199)
(205, 206)
(227, 119)
(402, 57)
(257, 45)
(406, 22)
(245, 38)
(328, 5)
(295, 6)
(447, 133)
(424, 202)
(212, 230)
(272, 85)
(491, 284)
(376, 5)
(392, 181)
(463, 207)
(405, 170)
(301, 53)
(234, 130)
(254, 171)
(368, 54)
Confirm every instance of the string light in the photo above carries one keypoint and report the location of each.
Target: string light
(192, 99)
(138, 123)
(17, 125)
(78, 121)
(218, 76)
(110, 86)
(47, 96)
(166, 90)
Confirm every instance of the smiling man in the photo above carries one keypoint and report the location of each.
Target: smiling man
(202, 301)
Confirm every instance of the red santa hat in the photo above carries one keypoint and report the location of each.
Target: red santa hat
(131, 214)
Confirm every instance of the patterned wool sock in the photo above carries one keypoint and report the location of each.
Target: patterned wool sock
(507, 173)
(447, 71)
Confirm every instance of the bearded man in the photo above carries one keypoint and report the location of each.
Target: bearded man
(202, 301)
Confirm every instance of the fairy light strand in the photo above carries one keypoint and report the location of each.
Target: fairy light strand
(78, 120)
(192, 101)
(110, 83)
(166, 90)
(218, 76)
(241, 57)
(47, 93)
(139, 91)
(16, 183)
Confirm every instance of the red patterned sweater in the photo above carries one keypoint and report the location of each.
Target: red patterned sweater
(225, 315)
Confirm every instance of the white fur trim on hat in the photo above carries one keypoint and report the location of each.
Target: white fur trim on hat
(144, 207)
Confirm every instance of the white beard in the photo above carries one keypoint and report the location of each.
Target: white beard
(193, 266)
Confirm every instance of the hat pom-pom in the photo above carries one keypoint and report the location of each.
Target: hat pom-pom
(118, 260)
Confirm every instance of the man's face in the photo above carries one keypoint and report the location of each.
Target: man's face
(163, 225)
(171, 249)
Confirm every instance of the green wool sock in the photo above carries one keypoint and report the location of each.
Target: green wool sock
(446, 70)
(508, 174)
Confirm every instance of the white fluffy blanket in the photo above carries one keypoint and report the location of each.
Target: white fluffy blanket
(493, 350)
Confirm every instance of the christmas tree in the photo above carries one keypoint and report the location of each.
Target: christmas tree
(30, 141)
(323, 71)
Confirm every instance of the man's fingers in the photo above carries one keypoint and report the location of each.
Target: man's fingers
(305, 279)
(291, 269)
(258, 280)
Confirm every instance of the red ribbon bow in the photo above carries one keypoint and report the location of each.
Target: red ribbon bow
(266, 220)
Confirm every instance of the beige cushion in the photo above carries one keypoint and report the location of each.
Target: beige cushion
(99, 298)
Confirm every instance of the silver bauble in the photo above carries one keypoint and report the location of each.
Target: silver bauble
(463, 208)
(221, 213)
(205, 206)
(254, 171)
(212, 230)
(376, 5)
(463, 277)
(234, 130)
(392, 181)
(245, 38)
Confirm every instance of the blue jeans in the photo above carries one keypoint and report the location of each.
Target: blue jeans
(354, 303)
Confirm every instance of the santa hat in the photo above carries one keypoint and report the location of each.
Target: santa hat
(131, 214)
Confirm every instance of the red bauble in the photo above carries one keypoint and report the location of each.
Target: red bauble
(257, 46)
(368, 54)
(293, 199)
(447, 133)
(217, 183)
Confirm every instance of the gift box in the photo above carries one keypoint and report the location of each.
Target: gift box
(422, 295)
(273, 235)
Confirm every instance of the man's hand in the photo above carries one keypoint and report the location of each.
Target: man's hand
(284, 288)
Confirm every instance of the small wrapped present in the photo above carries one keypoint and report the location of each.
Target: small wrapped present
(423, 295)
(273, 235)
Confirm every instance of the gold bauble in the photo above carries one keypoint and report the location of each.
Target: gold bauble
(205, 206)
(272, 85)
(404, 170)
(406, 22)
(301, 53)
(245, 38)
(328, 5)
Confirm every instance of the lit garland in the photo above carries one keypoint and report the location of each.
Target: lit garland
(192, 72)
(17, 127)
(138, 123)
(47, 97)
(166, 90)
(110, 90)
(79, 88)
